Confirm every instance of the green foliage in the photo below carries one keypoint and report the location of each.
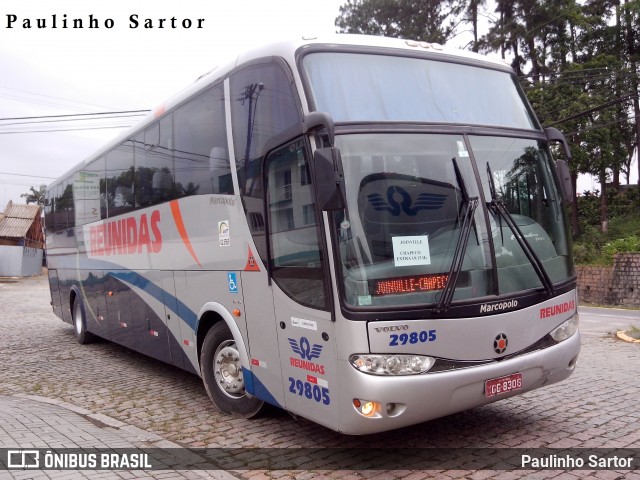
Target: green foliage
(593, 247)
(35, 196)
(630, 244)
(426, 20)
(620, 205)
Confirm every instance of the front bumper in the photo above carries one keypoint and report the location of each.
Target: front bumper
(408, 400)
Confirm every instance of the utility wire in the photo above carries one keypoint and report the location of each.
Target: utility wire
(74, 115)
(602, 125)
(79, 105)
(591, 110)
(23, 175)
(70, 120)
(64, 129)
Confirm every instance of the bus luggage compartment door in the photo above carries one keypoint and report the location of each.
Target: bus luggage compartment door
(175, 328)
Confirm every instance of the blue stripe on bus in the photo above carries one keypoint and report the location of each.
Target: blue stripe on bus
(159, 294)
(253, 384)
(255, 387)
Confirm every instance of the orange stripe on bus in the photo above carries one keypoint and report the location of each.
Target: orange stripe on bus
(177, 218)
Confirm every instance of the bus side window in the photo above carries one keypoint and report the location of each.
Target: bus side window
(201, 160)
(88, 193)
(64, 206)
(294, 233)
(120, 173)
(57, 208)
(262, 106)
(154, 181)
(48, 211)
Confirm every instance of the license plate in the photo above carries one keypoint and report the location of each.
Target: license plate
(502, 385)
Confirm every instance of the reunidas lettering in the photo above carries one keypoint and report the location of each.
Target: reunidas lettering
(554, 310)
(496, 307)
(126, 236)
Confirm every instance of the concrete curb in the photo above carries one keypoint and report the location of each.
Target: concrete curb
(623, 336)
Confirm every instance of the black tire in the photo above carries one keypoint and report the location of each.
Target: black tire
(222, 374)
(80, 325)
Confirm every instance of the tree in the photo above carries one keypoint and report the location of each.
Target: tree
(471, 14)
(631, 20)
(424, 20)
(35, 196)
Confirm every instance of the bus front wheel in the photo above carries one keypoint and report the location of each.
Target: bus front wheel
(80, 325)
(223, 375)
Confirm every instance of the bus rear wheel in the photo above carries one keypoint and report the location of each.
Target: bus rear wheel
(223, 375)
(80, 325)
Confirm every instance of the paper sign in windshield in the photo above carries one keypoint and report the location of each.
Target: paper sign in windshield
(411, 251)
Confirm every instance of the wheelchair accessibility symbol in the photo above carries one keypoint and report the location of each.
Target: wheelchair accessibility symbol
(233, 282)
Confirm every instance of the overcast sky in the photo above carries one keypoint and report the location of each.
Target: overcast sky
(57, 71)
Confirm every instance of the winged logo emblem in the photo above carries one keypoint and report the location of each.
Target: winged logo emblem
(398, 200)
(304, 348)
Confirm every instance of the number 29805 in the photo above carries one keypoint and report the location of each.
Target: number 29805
(412, 338)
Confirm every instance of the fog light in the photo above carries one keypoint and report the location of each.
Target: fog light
(367, 408)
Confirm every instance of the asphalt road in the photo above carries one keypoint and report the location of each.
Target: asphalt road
(607, 320)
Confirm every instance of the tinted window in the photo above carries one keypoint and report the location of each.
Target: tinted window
(86, 192)
(48, 209)
(201, 154)
(120, 185)
(262, 106)
(64, 210)
(407, 204)
(297, 256)
(356, 87)
(154, 165)
(54, 194)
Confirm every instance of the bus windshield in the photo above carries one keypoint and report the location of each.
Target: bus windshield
(407, 196)
(373, 88)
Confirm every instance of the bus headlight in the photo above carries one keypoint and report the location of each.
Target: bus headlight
(391, 364)
(566, 329)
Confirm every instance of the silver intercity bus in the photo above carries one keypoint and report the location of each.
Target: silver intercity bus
(366, 232)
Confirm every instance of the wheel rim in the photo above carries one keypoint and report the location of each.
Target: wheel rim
(227, 370)
(77, 319)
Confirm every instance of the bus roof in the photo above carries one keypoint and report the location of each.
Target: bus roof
(286, 48)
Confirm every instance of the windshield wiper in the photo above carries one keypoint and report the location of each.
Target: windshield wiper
(498, 208)
(461, 246)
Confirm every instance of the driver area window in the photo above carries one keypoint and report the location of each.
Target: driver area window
(297, 257)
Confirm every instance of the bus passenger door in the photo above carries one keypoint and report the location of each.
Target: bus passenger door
(300, 284)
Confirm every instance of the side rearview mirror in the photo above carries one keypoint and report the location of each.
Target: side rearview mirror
(328, 178)
(319, 121)
(555, 135)
(562, 167)
(564, 174)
